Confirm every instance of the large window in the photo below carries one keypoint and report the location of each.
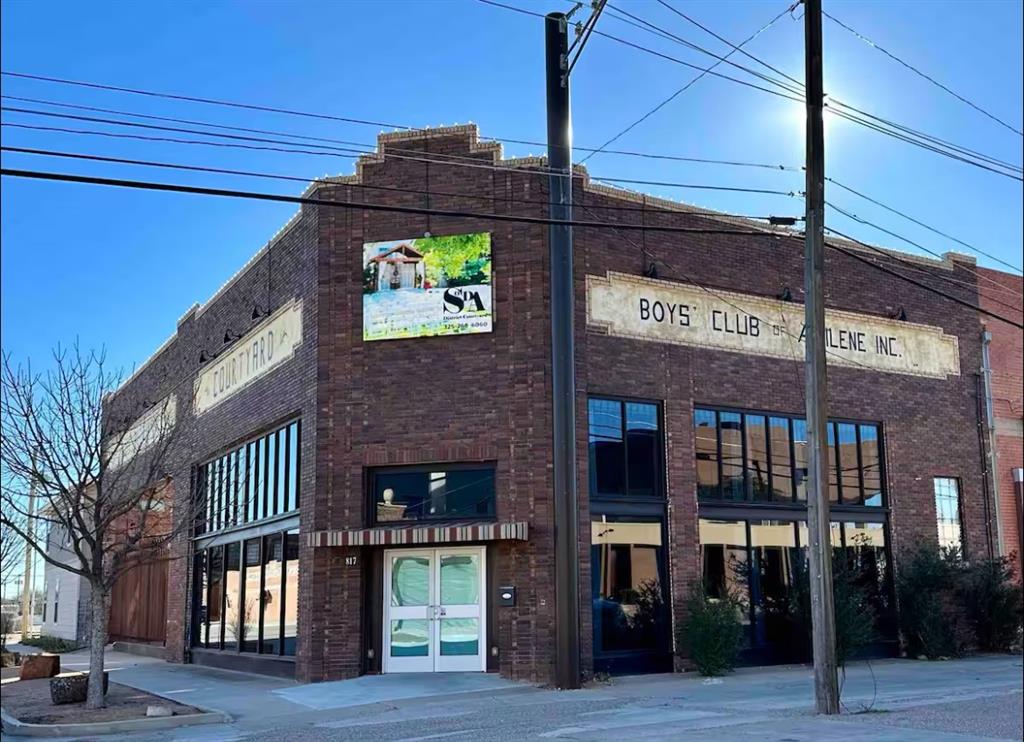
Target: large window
(753, 457)
(624, 449)
(255, 481)
(763, 564)
(433, 493)
(247, 595)
(947, 513)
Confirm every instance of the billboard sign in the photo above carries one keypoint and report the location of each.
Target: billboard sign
(427, 286)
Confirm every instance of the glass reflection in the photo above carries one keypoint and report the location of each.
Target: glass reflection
(460, 579)
(706, 444)
(629, 610)
(410, 581)
(460, 636)
(410, 637)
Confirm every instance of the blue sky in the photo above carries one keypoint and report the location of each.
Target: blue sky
(116, 268)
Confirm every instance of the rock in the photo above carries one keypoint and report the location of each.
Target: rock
(72, 687)
(159, 711)
(35, 666)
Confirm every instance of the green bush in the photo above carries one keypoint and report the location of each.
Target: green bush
(933, 622)
(992, 602)
(713, 632)
(854, 615)
(50, 644)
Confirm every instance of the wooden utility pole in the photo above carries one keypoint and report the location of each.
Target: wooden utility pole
(823, 623)
(26, 590)
(563, 373)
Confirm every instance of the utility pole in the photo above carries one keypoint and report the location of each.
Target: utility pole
(563, 372)
(823, 622)
(26, 590)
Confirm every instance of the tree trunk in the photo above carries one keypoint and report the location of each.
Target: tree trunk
(100, 604)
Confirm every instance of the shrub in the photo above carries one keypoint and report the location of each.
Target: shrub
(933, 623)
(712, 632)
(992, 602)
(50, 644)
(854, 615)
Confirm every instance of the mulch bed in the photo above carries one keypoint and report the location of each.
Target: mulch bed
(29, 701)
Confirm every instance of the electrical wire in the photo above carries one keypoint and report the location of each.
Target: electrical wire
(908, 279)
(578, 147)
(305, 201)
(922, 74)
(677, 93)
(307, 180)
(349, 152)
(919, 223)
(950, 279)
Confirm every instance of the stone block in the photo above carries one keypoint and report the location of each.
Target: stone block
(156, 710)
(35, 666)
(72, 687)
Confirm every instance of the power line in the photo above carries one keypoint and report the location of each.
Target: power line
(890, 209)
(922, 74)
(678, 92)
(196, 122)
(307, 181)
(327, 117)
(972, 286)
(908, 279)
(302, 200)
(333, 151)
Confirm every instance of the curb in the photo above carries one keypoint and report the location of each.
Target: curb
(145, 724)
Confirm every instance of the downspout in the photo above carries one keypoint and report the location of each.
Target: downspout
(990, 423)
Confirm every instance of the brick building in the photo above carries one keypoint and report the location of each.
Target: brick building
(1001, 292)
(365, 408)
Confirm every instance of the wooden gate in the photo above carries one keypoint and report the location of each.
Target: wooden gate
(138, 604)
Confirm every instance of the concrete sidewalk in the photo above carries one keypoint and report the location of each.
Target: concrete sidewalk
(909, 701)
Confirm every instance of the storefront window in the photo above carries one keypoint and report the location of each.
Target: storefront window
(871, 465)
(947, 513)
(630, 611)
(758, 484)
(424, 494)
(724, 564)
(624, 449)
(730, 432)
(781, 465)
(248, 595)
(833, 465)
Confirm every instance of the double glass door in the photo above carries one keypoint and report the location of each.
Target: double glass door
(434, 610)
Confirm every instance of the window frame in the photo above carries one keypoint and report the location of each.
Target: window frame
(959, 511)
(660, 465)
(843, 504)
(371, 474)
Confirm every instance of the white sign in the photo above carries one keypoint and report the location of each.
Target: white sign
(670, 312)
(149, 428)
(258, 352)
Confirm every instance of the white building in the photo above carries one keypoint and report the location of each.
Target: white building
(65, 594)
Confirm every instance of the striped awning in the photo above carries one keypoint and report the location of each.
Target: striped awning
(421, 534)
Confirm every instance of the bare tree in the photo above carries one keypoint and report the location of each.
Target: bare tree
(12, 560)
(101, 479)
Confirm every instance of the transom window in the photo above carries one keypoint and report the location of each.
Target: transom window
(256, 481)
(759, 457)
(433, 493)
(625, 449)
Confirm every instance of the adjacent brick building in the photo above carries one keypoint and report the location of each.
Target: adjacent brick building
(1001, 293)
(381, 505)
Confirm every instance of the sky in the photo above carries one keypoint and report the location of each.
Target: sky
(116, 268)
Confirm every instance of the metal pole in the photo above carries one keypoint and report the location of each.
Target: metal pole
(826, 683)
(26, 592)
(563, 374)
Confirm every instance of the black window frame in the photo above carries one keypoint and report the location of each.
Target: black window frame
(843, 503)
(232, 468)
(371, 474)
(661, 489)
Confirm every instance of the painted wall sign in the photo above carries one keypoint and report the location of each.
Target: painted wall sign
(254, 355)
(427, 286)
(150, 427)
(669, 312)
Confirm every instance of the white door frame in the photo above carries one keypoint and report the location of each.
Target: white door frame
(433, 613)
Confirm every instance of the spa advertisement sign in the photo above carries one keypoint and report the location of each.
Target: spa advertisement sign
(682, 314)
(427, 286)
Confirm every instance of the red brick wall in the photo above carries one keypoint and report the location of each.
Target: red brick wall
(1001, 293)
(486, 397)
